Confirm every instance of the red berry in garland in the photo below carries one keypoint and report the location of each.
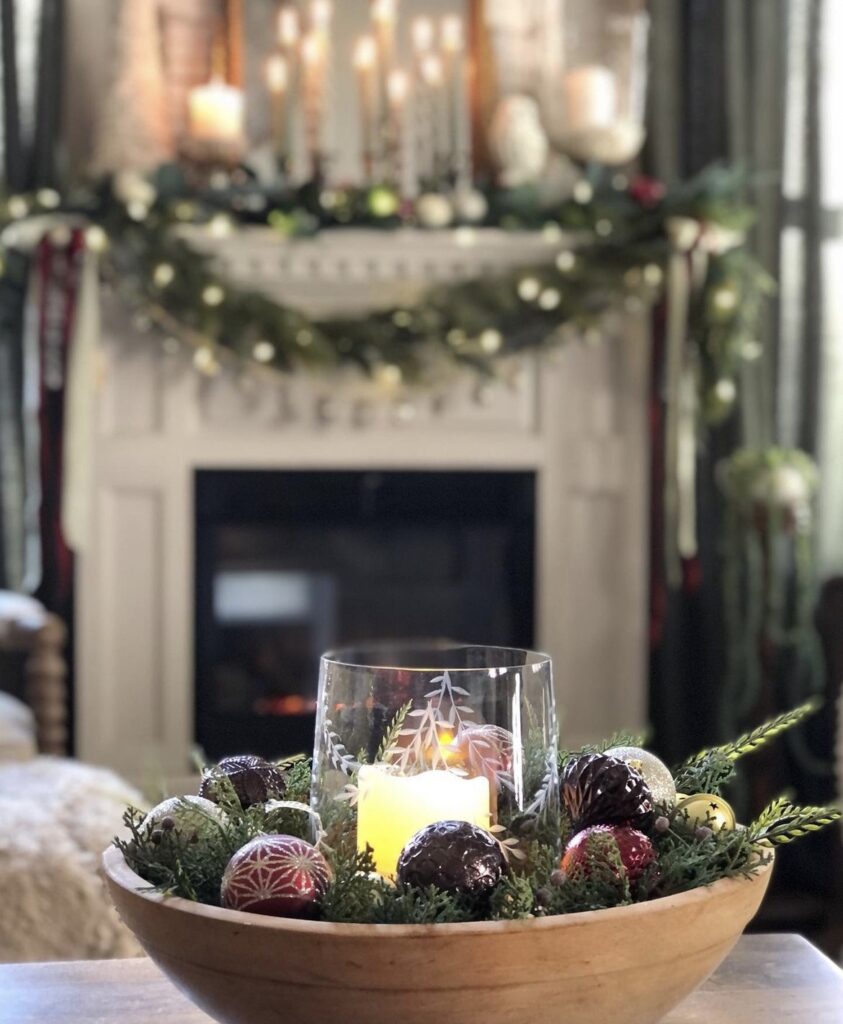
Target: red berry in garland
(599, 846)
(647, 192)
(277, 875)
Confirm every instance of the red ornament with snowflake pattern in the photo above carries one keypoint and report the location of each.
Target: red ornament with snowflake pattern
(281, 876)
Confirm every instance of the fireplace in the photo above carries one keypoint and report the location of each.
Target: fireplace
(290, 563)
(520, 518)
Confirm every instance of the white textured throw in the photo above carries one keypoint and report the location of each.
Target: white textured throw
(56, 818)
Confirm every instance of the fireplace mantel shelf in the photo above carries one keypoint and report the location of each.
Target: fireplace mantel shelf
(354, 270)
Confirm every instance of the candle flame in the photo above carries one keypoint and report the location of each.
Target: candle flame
(277, 74)
(383, 11)
(288, 26)
(311, 48)
(365, 53)
(431, 69)
(452, 34)
(397, 87)
(422, 32)
(321, 12)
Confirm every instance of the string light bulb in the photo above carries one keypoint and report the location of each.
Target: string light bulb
(220, 226)
(725, 298)
(263, 352)
(48, 198)
(96, 239)
(205, 361)
(17, 207)
(565, 261)
(583, 192)
(163, 274)
(137, 209)
(653, 274)
(213, 295)
(491, 341)
(549, 299)
(389, 375)
(528, 289)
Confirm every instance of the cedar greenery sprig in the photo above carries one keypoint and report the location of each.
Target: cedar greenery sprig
(783, 822)
(751, 741)
(709, 770)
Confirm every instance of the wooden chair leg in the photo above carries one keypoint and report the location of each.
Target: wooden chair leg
(46, 686)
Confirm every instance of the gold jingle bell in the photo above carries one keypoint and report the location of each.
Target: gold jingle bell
(706, 809)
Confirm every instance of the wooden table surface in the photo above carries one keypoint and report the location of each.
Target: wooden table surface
(768, 978)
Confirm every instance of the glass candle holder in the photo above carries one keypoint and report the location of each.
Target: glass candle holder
(408, 735)
(593, 78)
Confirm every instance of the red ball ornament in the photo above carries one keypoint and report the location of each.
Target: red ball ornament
(647, 192)
(590, 847)
(277, 875)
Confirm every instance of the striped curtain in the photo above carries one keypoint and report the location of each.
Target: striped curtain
(761, 83)
(30, 100)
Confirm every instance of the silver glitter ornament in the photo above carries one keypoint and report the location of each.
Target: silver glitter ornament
(653, 771)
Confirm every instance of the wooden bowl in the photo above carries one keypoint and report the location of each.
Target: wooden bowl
(627, 965)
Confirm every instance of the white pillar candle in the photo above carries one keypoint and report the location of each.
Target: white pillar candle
(216, 113)
(391, 808)
(365, 59)
(591, 97)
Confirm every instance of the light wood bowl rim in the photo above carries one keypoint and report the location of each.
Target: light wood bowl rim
(119, 872)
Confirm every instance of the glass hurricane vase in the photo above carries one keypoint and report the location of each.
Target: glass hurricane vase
(593, 77)
(407, 735)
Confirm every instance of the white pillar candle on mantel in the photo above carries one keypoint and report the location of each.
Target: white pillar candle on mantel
(391, 808)
(591, 97)
(216, 113)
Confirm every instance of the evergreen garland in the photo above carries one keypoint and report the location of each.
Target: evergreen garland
(191, 865)
(623, 240)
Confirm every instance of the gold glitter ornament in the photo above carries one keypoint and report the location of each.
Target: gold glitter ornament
(707, 809)
(653, 771)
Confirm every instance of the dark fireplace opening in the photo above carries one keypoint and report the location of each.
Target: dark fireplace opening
(291, 563)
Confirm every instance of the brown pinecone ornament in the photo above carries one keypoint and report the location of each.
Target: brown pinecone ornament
(600, 790)
(254, 780)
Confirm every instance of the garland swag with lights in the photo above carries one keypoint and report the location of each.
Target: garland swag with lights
(623, 240)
